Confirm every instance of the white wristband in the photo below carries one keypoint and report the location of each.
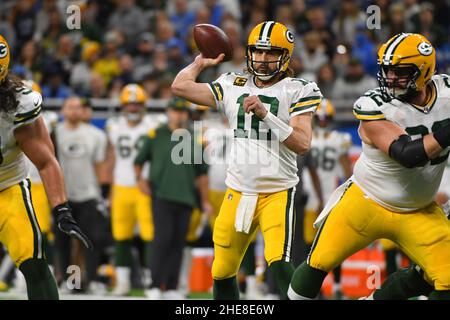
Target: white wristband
(281, 130)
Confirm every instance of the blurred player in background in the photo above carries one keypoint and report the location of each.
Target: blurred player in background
(271, 114)
(329, 152)
(129, 206)
(405, 129)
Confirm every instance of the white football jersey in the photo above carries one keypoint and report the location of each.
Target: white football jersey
(326, 149)
(126, 141)
(50, 119)
(13, 164)
(382, 178)
(258, 162)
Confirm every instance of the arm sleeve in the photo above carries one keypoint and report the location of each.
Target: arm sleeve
(28, 109)
(144, 153)
(217, 88)
(306, 98)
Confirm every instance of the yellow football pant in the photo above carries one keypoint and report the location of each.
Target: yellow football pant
(356, 221)
(41, 207)
(19, 228)
(387, 244)
(274, 215)
(128, 207)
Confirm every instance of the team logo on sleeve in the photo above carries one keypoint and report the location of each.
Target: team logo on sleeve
(239, 81)
(3, 50)
(425, 49)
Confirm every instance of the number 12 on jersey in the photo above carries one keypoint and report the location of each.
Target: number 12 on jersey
(254, 132)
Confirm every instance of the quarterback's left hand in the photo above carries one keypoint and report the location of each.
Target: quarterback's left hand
(67, 224)
(252, 103)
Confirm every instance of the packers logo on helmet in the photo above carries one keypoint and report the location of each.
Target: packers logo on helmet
(412, 59)
(3, 50)
(425, 48)
(270, 35)
(132, 93)
(4, 58)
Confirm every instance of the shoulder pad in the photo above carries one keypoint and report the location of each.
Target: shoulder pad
(301, 80)
(368, 106)
(442, 82)
(29, 106)
(305, 95)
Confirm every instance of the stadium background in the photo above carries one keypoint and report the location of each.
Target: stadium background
(149, 41)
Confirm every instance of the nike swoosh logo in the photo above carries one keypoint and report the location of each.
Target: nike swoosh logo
(358, 107)
(314, 90)
(36, 102)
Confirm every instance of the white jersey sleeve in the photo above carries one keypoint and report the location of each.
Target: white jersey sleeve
(29, 107)
(306, 96)
(221, 85)
(368, 106)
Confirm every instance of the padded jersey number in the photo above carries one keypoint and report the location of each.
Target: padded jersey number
(423, 131)
(124, 147)
(375, 96)
(240, 132)
(325, 158)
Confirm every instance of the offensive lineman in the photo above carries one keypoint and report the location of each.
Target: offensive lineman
(405, 129)
(271, 114)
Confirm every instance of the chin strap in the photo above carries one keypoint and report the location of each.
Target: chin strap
(266, 78)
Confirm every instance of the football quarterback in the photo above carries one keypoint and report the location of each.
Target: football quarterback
(270, 113)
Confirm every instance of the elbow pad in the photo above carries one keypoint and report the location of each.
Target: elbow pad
(407, 152)
(442, 136)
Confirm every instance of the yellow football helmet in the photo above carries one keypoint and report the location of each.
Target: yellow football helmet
(410, 56)
(4, 58)
(325, 111)
(132, 93)
(270, 35)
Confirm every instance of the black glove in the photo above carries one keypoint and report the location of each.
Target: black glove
(67, 224)
(103, 205)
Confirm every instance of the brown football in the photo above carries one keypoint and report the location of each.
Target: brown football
(212, 41)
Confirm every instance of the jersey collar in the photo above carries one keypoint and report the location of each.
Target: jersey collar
(431, 100)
